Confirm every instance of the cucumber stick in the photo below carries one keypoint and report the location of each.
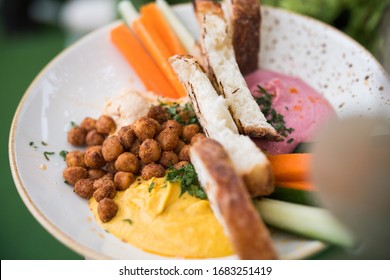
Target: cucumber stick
(311, 222)
(295, 196)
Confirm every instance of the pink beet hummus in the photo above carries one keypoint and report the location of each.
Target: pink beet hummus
(303, 108)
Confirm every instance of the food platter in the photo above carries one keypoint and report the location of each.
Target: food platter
(79, 81)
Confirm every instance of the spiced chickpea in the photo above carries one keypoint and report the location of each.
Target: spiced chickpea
(197, 137)
(110, 167)
(184, 154)
(88, 124)
(123, 180)
(94, 158)
(189, 131)
(144, 128)
(179, 147)
(112, 148)
(180, 164)
(157, 126)
(74, 173)
(135, 148)
(158, 113)
(108, 176)
(95, 174)
(107, 209)
(75, 158)
(175, 126)
(105, 124)
(127, 136)
(107, 189)
(168, 139)
(84, 188)
(153, 170)
(94, 138)
(127, 162)
(149, 151)
(76, 136)
(168, 158)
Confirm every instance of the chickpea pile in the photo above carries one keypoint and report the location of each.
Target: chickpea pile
(111, 163)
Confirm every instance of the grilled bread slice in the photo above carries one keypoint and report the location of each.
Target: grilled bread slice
(230, 201)
(244, 21)
(211, 109)
(225, 73)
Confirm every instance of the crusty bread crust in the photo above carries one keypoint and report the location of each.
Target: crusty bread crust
(245, 21)
(231, 202)
(211, 110)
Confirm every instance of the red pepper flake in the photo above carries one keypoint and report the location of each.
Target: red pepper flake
(293, 90)
(297, 108)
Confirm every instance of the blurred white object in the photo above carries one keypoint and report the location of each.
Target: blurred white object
(79, 17)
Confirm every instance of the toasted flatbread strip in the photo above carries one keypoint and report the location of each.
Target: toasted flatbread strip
(225, 74)
(249, 161)
(230, 201)
(245, 21)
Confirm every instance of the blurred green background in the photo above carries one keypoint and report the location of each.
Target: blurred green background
(30, 36)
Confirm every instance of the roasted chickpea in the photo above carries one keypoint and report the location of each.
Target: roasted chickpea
(168, 158)
(110, 167)
(112, 148)
(127, 162)
(179, 147)
(76, 136)
(189, 131)
(108, 176)
(180, 164)
(153, 170)
(107, 209)
(74, 173)
(157, 126)
(158, 113)
(168, 139)
(94, 158)
(105, 124)
(197, 137)
(135, 148)
(88, 124)
(175, 126)
(184, 154)
(94, 138)
(144, 128)
(84, 188)
(127, 136)
(75, 158)
(107, 189)
(123, 180)
(95, 174)
(149, 151)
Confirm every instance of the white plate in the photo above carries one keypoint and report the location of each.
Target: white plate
(78, 81)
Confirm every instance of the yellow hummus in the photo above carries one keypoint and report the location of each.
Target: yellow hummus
(161, 221)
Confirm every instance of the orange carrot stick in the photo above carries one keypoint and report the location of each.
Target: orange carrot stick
(141, 62)
(153, 18)
(297, 185)
(156, 50)
(291, 167)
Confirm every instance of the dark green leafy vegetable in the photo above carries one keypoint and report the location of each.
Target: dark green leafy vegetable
(183, 114)
(47, 154)
(274, 118)
(151, 186)
(63, 154)
(128, 221)
(188, 180)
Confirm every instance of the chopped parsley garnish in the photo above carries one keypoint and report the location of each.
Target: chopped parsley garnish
(151, 186)
(63, 153)
(289, 141)
(73, 124)
(43, 143)
(31, 143)
(128, 221)
(274, 118)
(188, 180)
(47, 154)
(183, 114)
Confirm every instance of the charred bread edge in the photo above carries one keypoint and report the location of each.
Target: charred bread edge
(231, 202)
